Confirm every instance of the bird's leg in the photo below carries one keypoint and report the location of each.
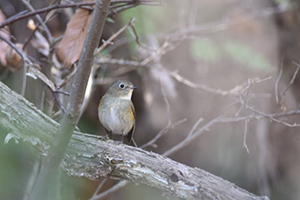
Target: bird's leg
(122, 137)
(133, 142)
(109, 133)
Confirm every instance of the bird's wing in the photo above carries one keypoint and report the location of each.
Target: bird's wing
(131, 132)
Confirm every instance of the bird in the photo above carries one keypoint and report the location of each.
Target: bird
(116, 111)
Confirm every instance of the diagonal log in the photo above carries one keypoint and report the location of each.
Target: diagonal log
(92, 157)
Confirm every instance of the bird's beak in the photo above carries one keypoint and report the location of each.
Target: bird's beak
(133, 87)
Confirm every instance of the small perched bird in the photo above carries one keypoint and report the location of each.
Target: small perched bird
(116, 112)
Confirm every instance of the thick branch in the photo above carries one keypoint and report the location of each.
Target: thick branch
(91, 157)
(70, 118)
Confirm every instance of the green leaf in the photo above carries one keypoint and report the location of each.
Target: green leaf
(110, 20)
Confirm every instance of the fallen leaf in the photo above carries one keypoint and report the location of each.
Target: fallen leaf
(69, 49)
(3, 45)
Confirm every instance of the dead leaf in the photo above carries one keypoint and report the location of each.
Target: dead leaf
(3, 45)
(69, 49)
(13, 59)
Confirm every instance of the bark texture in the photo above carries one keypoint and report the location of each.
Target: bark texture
(93, 157)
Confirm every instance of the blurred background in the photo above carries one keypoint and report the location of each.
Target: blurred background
(198, 48)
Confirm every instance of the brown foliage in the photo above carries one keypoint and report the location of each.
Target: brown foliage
(69, 49)
(3, 45)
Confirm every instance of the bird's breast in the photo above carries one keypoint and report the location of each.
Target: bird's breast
(116, 116)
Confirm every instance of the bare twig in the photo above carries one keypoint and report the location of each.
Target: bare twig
(24, 57)
(162, 50)
(222, 25)
(198, 132)
(24, 80)
(137, 38)
(292, 80)
(167, 105)
(27, 62)
(195, 126)
(98, 189)
(155, 54)
(40, 20)
(258, 116)
(245, 136)
(277, 81)
(65, 80)
(272, 117)
(168, 127)
(187, 140)
(113, 37)
(110, 190)
(162, 133)
(24, 14)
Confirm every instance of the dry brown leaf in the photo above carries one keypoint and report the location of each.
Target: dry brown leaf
(69, 49)
(13, 59)
(3, 45)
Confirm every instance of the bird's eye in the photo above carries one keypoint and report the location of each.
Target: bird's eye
(122, 86)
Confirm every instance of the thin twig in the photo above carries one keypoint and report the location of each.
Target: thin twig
(198, 132)
(272, 117)
(137, 38)
(24, 57)
(234, 91)
(292, 80)
(40, 20)
(110, 190)
(259, 116)
(65, 80)
(42, 10)
(162, 133)
(222, 25)
(98, 188)
(168, 127)
(245, 136)
(195, 126)
(167, 105)
(60, 105)
(114, 36)
(187, 140)
(277, 81)
(24, 14)
(27, 62)
(24, 80)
